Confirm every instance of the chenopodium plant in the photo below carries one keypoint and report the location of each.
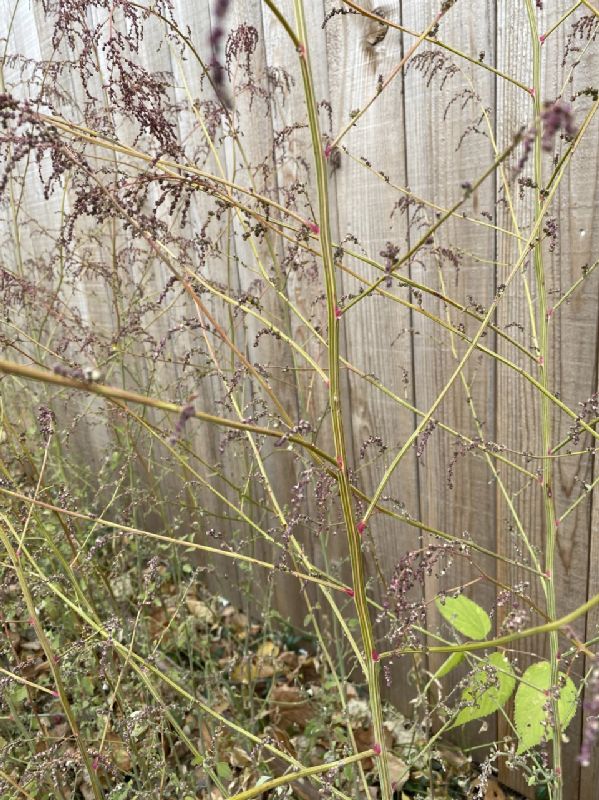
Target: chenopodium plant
(492, 682)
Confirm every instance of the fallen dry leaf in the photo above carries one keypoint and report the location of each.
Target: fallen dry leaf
(493, 790)
(251, 670)
(398, 771)
(119, 752)
(200, 611)
(267, 649)
(282, 739)
(239, 758)
(237, 621)
(290, 708)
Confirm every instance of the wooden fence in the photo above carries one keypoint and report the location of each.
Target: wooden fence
(433, 131)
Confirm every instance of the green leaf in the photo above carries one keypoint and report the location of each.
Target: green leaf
(489, 688)
(19, 694)
(465, 615)
(223, 770)
(530, 713)
(450, 663)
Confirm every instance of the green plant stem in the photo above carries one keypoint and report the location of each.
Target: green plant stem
(52, 663)
(114, 393)
(562, 19)
(20, 679)
(285, 780)
(186, 545)
(490, 170)
(548, 583)
(389, 79)
(591, 7)
(556, 625)
(143, 668)
(492, 308)
(353, 536)
(437, 42)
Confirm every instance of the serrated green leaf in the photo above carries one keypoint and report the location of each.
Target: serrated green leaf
(451, 662)
(465, 615)
(489, 688)
(530, 714)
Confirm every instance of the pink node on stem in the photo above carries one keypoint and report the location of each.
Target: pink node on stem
(327, 151)
(54, 693)
(349, 592)
(95, 763)
(542, 38)
(361, 527)
(375, 655)
(532, 91)
(313, 227)
(338, 312)
(377, 748)
(339, 462)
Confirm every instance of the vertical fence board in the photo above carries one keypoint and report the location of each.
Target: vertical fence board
(572, 329)
(304, 283)
(445, 96)
(376, 330)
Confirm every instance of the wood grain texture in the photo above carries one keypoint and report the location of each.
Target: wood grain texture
(448, 118)
(572, 330)
(376, 332)
(294, 171)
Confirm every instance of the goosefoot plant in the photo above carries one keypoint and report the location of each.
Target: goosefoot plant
(286, 296)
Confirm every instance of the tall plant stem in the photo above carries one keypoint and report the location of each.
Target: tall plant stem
(545, 410)
(353, 534)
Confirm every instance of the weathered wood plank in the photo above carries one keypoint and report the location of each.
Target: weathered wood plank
(376, 331)
(572, 329)
(449, 131)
